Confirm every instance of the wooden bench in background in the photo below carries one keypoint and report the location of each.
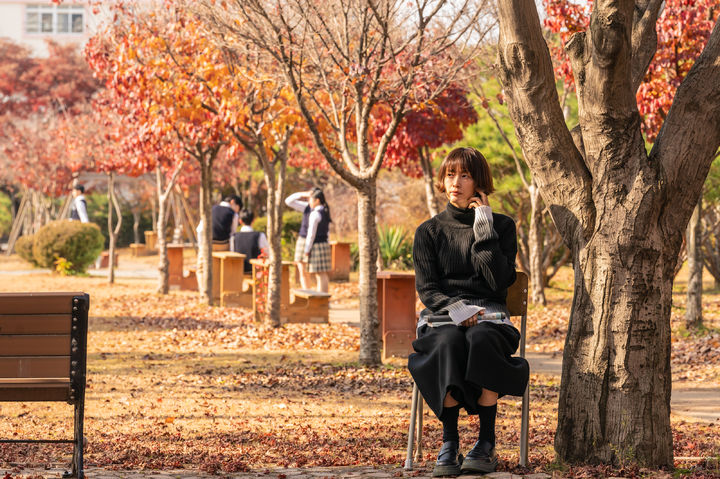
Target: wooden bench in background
(150, 240)
(43, 355)
(228, 285)
(104, 260)
(177, 279)
(302, 306)
(138, 249)
(396, 312)
(340, 260)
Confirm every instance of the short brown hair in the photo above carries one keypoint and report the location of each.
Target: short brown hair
(470, 160)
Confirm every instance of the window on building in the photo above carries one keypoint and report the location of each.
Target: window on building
(55, 19)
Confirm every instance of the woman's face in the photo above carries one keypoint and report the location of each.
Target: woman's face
(313, 202)
(459, 187)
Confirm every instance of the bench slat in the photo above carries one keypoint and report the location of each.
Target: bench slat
(40, 389)
(35, 345)
(34, 366)
(36, 303)
(35, 323)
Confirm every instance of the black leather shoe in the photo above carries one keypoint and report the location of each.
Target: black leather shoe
(448, 461)
(481, 458)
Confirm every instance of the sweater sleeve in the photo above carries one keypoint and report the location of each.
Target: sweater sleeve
(294, 201)
(427, 275)
(494, 249)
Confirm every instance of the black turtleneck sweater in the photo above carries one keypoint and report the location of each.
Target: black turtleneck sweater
(464, 256)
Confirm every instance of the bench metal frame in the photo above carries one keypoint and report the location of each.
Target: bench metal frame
(79, 307)
(517, 305)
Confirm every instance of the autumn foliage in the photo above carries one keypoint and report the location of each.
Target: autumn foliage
(43, 99)
(683, 29)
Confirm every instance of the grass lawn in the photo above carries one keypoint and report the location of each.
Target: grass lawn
(176, 384)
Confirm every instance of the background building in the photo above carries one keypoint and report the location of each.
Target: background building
(32, 22)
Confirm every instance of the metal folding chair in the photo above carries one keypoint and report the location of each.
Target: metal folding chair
(517, 305)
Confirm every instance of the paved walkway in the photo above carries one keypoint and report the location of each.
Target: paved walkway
(290, 473)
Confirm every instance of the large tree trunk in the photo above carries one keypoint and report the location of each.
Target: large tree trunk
(693, 312)
(622, 212)
(428, 179)
(614, 402)
(370, 340)
(204, 266)
(537, 270)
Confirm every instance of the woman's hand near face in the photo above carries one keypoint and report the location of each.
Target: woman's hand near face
(479, 199)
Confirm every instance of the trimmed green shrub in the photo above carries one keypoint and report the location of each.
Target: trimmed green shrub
(24, 248)
(79, 243)
(290, 229)
(5, 215)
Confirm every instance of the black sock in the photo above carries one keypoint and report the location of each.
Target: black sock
(449, 418)
(487, 414)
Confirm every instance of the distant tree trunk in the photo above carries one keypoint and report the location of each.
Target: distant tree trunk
(428, 179)
(161, 242)
(204, 266)
(537, 271)
(163, 194)
(693, 312)
(274, 203)
(370, 340)
(136, 225)
(274, 172)
(153, 210)
(711, 243)
(112, 231)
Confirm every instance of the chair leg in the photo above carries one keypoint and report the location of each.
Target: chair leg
(411, 429)
(418, 437)
(524, 426)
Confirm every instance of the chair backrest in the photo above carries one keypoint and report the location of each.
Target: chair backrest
(517, 295)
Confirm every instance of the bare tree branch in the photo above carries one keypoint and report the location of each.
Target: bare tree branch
(690, 136)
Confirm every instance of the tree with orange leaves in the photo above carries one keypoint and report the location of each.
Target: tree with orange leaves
(151, 59)
(340, 59)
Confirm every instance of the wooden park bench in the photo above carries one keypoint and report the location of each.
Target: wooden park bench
(43, 353)
(296, 305)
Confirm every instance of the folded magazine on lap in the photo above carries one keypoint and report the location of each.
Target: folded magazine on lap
(445, 319)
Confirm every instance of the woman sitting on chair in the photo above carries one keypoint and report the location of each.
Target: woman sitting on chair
(464, 263)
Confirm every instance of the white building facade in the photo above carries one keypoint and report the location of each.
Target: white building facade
(31, 23)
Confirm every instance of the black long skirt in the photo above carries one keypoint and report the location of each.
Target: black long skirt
(463, 361)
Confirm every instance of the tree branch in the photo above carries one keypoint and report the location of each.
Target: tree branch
(527, 75)
(644, 38)
(690, 137)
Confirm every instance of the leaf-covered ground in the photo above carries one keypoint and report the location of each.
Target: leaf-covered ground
(176, 384)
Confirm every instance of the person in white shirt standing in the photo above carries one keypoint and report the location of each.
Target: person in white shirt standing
(78, 210)
(312, 250)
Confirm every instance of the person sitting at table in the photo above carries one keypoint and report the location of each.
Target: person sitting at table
(248, 241)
